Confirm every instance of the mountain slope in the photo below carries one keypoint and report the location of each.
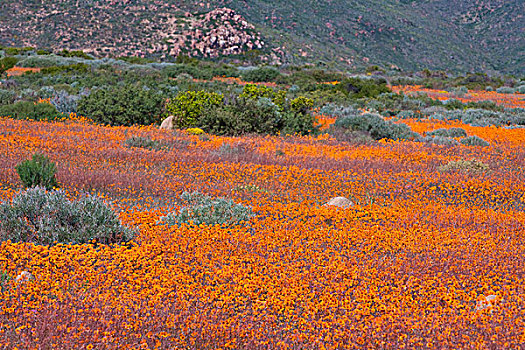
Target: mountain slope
(462, 35)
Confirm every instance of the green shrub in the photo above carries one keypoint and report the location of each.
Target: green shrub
(202, 209)
(7, 63)
(505, 90)
(377, 127)
(39, 171)
(144, 142)
(7, 97)
(127, 105)
(188, 107)
(474, 141)
(441, 141)
(451, 132)
(255, 92)
(30, 110)
(242, 116)
(4, 281)
(520, 89)
(259, 75)
(79, 53)
(45, 217)
(358, 88)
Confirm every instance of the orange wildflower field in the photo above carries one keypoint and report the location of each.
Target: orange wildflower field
(508, 100)
(407, 267)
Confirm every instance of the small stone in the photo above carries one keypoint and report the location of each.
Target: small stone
(167, 124)
(24, 276)
(340, 202)
(486, 302)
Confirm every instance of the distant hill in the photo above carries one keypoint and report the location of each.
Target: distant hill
(459, 35)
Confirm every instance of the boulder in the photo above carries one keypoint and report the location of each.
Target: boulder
(24, 276)
(167, 124)
(340, 202)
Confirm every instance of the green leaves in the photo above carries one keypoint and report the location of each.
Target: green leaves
(188, 107)
(39, 171)
(127, 105)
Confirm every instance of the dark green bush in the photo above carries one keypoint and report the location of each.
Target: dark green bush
(126, 105)
(259, 75)
(47, 217)
(7, 63)
(242, 116)
(359, 88)
(39, 171)
(30, 110)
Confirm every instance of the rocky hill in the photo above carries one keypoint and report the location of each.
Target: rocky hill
(457, 35)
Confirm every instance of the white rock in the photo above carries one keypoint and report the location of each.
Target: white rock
(340, 202)
(24, 276)
(167, 124)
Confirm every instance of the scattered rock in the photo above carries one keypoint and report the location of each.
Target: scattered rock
(167, 124)
(340, 202)
(24, 276)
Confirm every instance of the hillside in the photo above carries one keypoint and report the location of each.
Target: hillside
(460, 35)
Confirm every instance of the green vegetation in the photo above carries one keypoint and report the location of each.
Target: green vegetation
(39, 171)
(125, 105)
(202, 209)
(40, 216)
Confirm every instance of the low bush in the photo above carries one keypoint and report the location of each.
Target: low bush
(7, 97)
(46, 217)
(441, 141)
(30, 110)
(38, 171)
(144, 142)
(7, 63)
(472, 165)
(126, 105)
(202, 209)
(474, 141)
(505, 90)
(259, 75)
(377, 127)
(450, 132)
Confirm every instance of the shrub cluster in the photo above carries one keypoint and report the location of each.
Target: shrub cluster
(450, 132)
(30, 110)
(47, 217)
(375, 126)
(256, 110)
(202, 209)
(125, 105)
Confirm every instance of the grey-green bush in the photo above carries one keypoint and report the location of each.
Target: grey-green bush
(441, 140)
(451, 132)
(144, 142)
(38, 171)
(203, 209)
(474, 141)
(376, 126)
(46, 217)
